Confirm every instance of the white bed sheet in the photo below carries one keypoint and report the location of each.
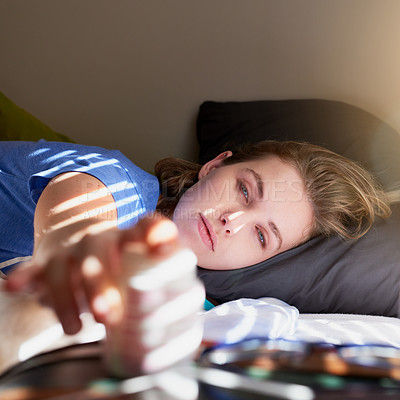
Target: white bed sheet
(348, 329)
(272, 318)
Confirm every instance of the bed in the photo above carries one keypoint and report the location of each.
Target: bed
(324, 291)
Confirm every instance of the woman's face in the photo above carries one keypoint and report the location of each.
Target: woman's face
(241, 214)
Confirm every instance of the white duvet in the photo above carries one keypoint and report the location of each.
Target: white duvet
(272, 318)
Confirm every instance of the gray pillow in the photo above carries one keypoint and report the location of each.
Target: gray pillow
(324, 275)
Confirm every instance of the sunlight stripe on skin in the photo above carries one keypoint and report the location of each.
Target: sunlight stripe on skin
(92, 213)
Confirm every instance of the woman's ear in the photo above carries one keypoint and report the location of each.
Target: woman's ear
(214, 163)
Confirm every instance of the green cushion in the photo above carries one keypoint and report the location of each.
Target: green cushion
(17, 124)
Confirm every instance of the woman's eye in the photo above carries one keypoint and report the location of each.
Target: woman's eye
(244, 191)
(261, 238)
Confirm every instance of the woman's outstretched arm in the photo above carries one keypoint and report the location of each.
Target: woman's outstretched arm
(77, 254)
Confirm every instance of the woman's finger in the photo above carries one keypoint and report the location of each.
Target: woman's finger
(158, 234)
(60, 276)
(101, 291)
(100, 270)
(22, 277)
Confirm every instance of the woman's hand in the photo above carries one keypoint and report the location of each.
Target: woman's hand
(73, 275)
(77, 266)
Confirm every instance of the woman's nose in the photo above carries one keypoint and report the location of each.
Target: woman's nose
(232, 222)
(224, 221)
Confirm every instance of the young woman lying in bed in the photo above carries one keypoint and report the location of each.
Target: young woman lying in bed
(235, 211)
(68, 201)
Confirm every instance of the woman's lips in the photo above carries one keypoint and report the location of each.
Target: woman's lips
(207, 233)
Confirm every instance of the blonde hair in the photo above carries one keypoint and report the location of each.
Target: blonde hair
(346, 198)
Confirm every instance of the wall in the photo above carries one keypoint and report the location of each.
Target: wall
(130, 74)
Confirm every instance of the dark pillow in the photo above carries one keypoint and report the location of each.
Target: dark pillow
(343, 128)
(324, 275)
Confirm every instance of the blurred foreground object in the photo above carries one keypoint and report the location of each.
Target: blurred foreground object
(161, 301)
